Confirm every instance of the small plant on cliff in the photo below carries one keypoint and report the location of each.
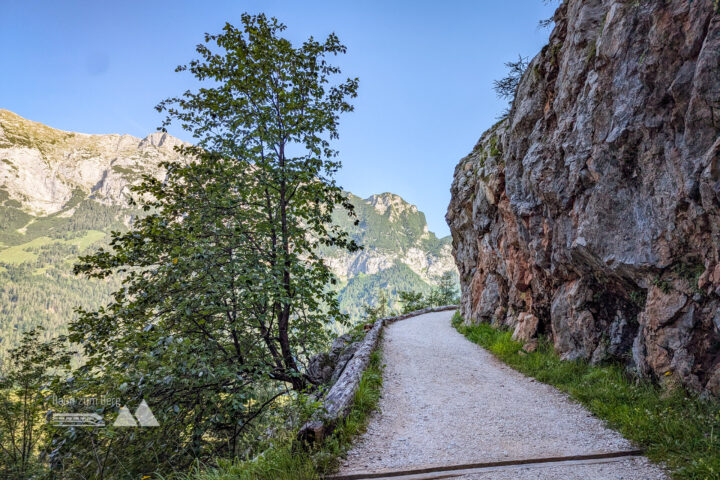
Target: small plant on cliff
(663, 285)
(691, 272)
(591, 51)
(494, 147)
(638, 298)
(507, 86)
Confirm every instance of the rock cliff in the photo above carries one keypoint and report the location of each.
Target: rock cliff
(43, 168)
(591, 214)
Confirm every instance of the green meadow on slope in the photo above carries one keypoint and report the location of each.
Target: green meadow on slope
(37, 286)
(42, 232)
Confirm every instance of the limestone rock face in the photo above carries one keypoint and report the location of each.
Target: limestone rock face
(595, 205)
(43, 168)
(326, 367)
(526, 327)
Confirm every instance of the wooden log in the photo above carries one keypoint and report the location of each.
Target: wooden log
(339, 399)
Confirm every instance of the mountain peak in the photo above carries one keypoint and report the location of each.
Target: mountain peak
(392, 203)
(43, 168)
(161, 139)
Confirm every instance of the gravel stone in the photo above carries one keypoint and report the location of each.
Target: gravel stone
(446, 401)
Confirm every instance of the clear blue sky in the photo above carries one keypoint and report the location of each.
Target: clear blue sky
(425, 67)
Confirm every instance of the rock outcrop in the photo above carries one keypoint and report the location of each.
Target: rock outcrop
(326, 367)
(595, 205)
(45, 170)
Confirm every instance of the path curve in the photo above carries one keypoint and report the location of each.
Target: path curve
(446, 401)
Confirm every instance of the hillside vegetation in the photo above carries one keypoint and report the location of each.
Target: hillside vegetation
(44, 230)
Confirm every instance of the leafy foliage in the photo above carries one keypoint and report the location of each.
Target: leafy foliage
(25, 385)
(224, 294)
(282, 461)
(445, 293)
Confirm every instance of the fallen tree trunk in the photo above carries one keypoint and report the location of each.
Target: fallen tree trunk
(339, 399)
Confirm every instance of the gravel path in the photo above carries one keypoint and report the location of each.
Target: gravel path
(446, 401)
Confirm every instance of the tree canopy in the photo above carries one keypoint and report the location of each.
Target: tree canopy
(224, 296)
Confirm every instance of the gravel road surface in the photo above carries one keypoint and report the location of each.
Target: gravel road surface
(446, 401)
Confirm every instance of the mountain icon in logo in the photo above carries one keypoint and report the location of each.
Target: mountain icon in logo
(143, 414)
(125, 419)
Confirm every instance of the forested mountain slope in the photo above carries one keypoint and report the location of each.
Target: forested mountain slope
(62, 193)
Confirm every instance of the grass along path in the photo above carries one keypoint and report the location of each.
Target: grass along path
(447, 402)
(677, 428)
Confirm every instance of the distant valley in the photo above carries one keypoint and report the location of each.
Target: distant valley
(62, 193)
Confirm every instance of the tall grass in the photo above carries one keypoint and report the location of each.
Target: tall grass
(675, 427)
(286, 460)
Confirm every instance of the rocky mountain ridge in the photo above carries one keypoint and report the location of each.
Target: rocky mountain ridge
(411, 245)
(42, 168)
(591, 214)
(62, 193)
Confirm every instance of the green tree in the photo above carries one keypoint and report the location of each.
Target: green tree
(411, 301)
(444, 294)
(380, 309)
(26, 382)
(507, 86)
(224, 296)
(447, 289)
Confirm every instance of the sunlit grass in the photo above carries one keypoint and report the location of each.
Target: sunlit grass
(675, 427)
(19, 253)
(27, 252)
(88, 238)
